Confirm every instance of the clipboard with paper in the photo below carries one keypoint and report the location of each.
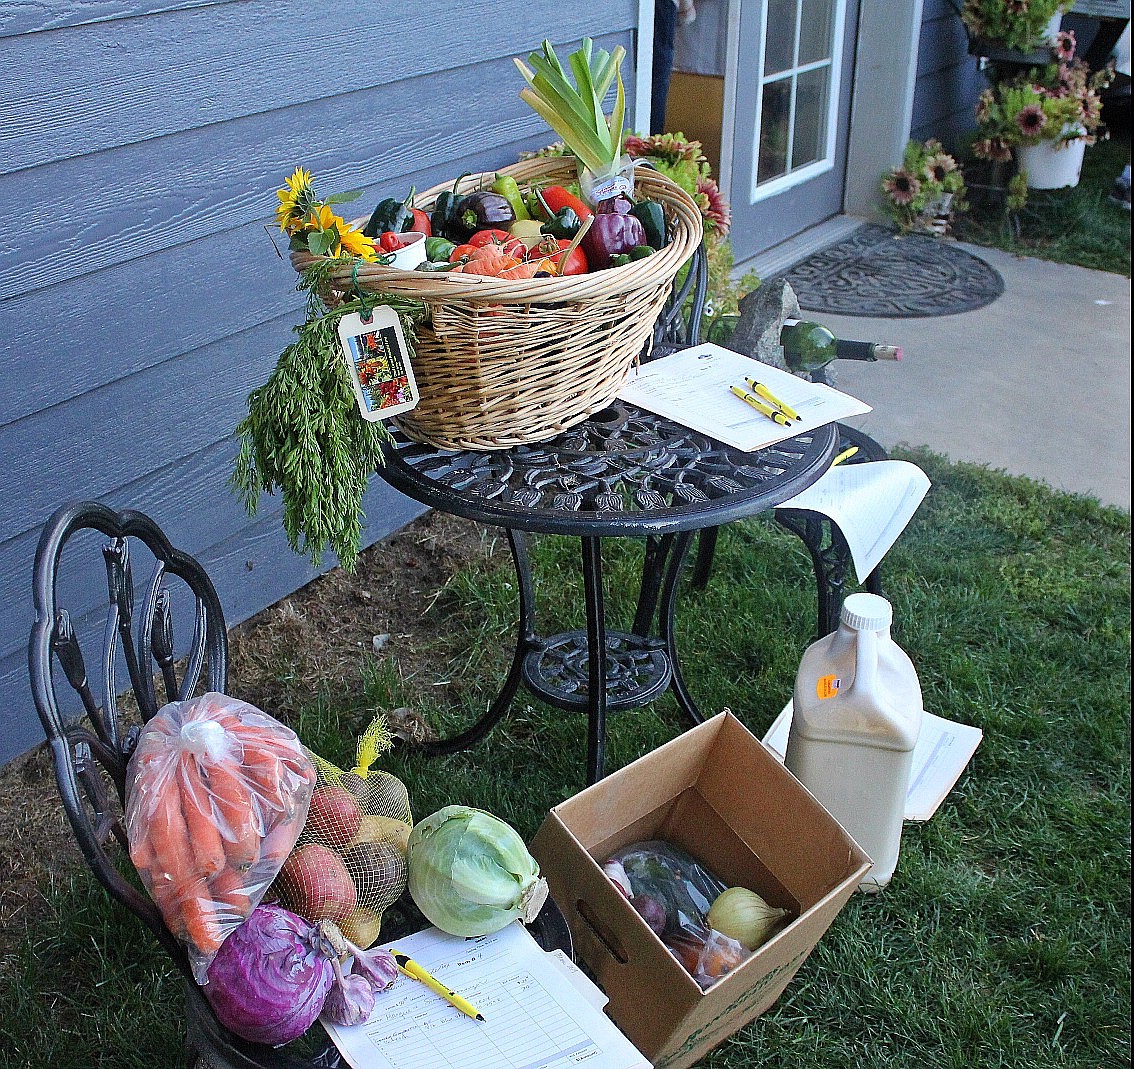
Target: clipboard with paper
(693, 387)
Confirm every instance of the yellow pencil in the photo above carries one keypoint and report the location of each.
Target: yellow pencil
(761, 390)
(408, 967)
(846, 454)
(767, 410)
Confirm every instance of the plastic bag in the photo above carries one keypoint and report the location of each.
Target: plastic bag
(349, 865)
(217, 794)
(673, 894)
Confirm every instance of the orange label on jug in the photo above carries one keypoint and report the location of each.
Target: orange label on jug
(827, 686)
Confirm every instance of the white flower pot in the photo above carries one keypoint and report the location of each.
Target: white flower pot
(1054, 24)
(1053, 164)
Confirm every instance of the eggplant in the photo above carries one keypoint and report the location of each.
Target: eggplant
(610, 235)
(483, 210)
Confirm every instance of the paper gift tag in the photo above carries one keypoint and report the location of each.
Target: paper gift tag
(376, 353)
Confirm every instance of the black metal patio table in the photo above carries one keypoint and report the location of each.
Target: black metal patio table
(623, 472)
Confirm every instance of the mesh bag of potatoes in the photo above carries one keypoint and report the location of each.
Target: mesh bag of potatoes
(349, 863)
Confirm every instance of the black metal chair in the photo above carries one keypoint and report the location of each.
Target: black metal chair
(91, 745)
(678, 327)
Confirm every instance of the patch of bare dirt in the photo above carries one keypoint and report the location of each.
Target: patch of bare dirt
(315, 639)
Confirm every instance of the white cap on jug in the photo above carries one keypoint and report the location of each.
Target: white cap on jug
(866, 612)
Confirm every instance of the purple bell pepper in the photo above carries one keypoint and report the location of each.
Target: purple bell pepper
(610, 235)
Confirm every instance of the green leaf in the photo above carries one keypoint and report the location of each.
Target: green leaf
(344, 198)
(320, 242)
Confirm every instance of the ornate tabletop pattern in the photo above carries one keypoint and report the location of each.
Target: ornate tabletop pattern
(622, 470)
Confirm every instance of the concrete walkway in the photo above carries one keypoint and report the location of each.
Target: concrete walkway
(1036, 383)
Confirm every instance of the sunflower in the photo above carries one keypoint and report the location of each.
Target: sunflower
(901, 187)
(295, 199)
(1031, 120)
(357, 243)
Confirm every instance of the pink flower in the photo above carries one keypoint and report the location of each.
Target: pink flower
(1031, 120)
(901, 187)
(1017, 7)
(715, 208)
(993, 148)
(1064, 46)
(939, 165)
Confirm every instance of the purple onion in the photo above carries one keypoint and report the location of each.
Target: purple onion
(651, 911)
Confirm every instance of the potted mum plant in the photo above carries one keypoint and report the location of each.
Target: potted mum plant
(926, 191)
(1012, 30)
(1046, 117)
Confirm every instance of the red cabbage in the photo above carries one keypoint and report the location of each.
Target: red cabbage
(271, 976)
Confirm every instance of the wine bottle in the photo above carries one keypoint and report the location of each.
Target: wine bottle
(809, 346)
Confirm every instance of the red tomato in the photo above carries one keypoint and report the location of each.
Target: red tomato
(421, 223)
(390, 241)
(461, 252)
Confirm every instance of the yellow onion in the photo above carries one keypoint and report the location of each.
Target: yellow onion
(743, 915)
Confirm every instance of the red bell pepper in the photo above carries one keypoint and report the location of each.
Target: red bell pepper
(421, 222)
(552, 249)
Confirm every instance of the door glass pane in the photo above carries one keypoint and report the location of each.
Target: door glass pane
(775, 110)
(810, 137)
(815, 31)
(779, 45)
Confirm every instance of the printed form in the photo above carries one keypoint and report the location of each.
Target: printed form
(535, 1017)
(691, 387)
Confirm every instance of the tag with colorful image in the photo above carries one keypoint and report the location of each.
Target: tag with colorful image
(376, 353)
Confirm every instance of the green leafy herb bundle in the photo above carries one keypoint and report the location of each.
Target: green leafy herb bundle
(304, 435)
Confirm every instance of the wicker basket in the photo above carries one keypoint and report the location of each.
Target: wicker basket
(501, 362)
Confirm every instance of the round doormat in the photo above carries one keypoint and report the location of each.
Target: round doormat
(877, 272)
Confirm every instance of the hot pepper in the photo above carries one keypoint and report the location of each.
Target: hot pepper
(557, 198)
(507, 187)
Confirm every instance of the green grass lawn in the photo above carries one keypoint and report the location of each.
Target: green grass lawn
(1075, 226)
(1004, 938)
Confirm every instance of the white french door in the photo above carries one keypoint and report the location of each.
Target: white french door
(787, 152)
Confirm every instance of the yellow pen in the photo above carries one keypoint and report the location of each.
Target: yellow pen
(846, 454)
(408, 967)
(762, 391)
(767, 410)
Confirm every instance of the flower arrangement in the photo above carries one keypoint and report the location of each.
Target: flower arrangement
(1058, 102)
(1014, 24)
(928, 184)
(313, 227)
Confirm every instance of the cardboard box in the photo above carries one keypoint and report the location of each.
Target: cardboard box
(720, 795)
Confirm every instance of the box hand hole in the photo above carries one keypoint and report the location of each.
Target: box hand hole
(602, 932)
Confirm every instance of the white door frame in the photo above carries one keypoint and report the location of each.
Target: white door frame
(885, 69)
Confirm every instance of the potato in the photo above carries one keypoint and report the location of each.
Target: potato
(375, 829)
(362, 927)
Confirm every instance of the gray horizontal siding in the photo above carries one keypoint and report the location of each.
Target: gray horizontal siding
(142, 299)
(948, 81)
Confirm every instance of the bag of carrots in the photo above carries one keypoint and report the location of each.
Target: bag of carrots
(217, 795)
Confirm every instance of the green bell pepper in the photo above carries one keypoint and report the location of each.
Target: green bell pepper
(652, 217)
(564, 223)
(437, 249)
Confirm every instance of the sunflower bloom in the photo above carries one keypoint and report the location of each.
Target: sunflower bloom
(357, 243)
(296, 195)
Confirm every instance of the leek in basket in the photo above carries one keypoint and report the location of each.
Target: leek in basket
(575, 112)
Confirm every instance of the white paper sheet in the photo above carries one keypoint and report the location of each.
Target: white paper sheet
(691, 387)
(944, 748)
(870, 503)
(535, 1017)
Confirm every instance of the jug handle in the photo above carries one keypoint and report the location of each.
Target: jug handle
(866, 660)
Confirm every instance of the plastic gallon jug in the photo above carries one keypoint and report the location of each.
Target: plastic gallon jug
(857, 715)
